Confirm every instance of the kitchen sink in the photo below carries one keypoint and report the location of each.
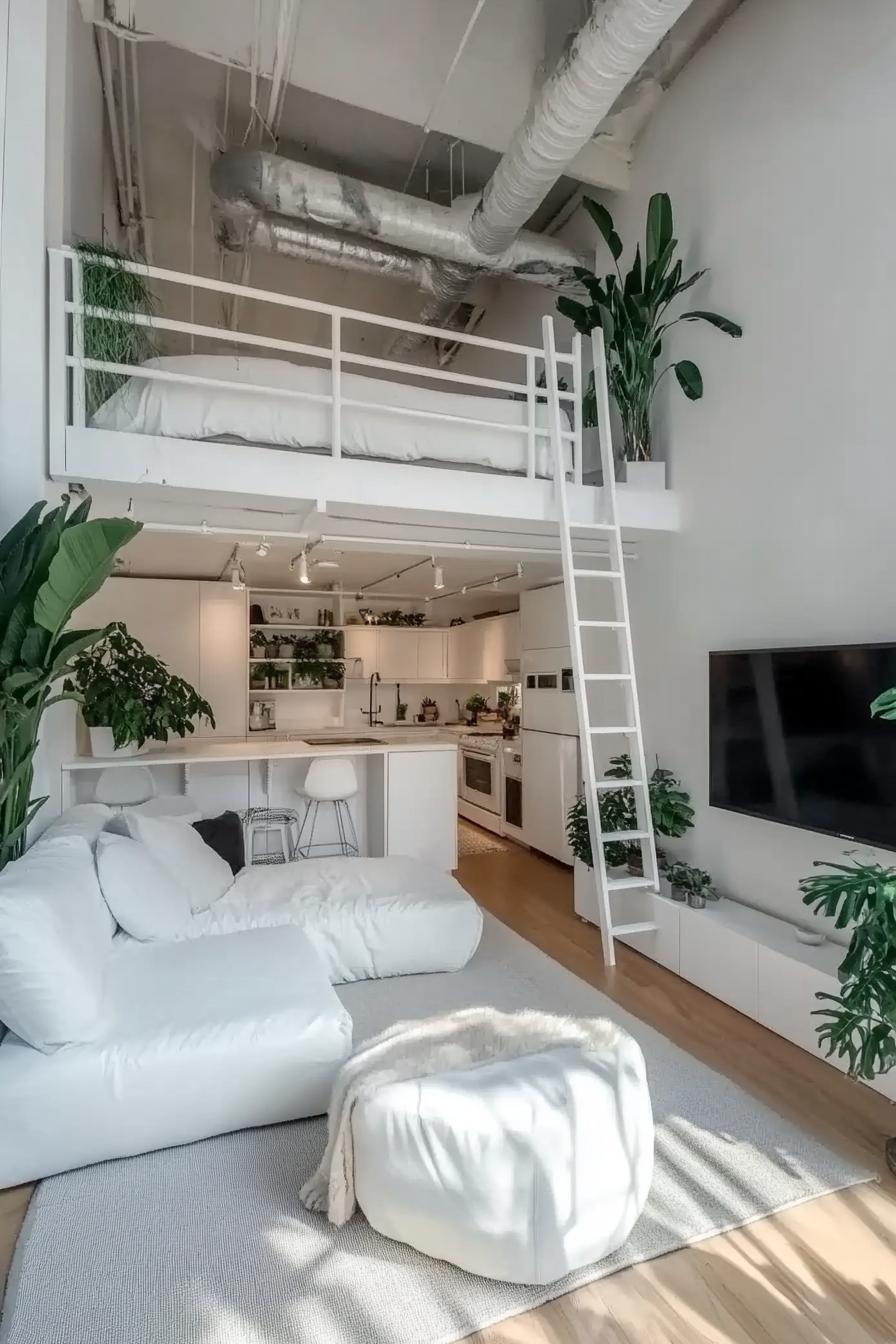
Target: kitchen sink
(344, 741)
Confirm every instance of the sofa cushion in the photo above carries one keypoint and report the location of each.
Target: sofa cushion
(55, 937)
(183, 853)
(145, 899)
(225, 836)
(201, 1038)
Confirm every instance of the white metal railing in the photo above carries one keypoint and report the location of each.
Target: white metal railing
(69, 366)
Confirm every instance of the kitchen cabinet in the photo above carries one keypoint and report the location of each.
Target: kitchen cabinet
(543, 618)
(222, 658)
(500, 643)
(550, 786)
(465, 652)
(360, 651)
(396, 654)
(432, 655)
(421, 812)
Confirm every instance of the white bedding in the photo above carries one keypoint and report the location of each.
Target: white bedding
(190, 411)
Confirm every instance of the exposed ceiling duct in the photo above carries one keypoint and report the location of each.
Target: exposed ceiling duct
(273, 184)
(614, 43)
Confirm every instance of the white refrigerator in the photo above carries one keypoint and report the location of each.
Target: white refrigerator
(550, 748)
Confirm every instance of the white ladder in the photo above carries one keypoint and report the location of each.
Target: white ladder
(573, 574)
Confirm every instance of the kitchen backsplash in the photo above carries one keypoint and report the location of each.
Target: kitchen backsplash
(357, 696)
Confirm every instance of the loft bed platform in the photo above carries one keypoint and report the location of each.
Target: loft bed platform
(285, 421)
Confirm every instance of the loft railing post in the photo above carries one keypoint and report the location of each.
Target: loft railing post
(530, 412)
(336, 389)
(79, 373)
(58, 376)
(577, 408)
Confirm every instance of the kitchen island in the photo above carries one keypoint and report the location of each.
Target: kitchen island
(407, 782)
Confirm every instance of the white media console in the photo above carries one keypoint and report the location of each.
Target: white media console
(746, 958)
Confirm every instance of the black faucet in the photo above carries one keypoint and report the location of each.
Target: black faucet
(373, 714)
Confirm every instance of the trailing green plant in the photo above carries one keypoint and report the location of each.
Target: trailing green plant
(49, 566)
(632, 312)
(121, 686)
(105, 283)
(692, 881)
(577, 832)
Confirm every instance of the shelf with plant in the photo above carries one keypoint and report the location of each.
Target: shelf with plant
(632, 311)
(128, 697)
(694, 885)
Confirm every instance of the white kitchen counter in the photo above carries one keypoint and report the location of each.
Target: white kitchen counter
(407, 782)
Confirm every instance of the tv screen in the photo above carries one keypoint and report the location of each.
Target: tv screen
(792, 738)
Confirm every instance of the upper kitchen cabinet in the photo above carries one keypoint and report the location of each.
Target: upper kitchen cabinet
(360, 650)
(432, 655)
(543, 618)
(500, 646)
(465, 652)
(396, 654)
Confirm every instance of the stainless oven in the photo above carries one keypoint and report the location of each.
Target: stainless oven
(480, 773)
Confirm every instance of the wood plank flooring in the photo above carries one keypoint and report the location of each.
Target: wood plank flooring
(823, 1273)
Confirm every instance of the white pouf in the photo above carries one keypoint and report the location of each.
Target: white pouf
(522, 1169)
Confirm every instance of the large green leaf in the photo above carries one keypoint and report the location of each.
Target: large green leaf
(80, 567)
(884, 707)
(604, 221)
(715, 320)
(577, 313)
(690, 379)
(17, 533)
(659, 225)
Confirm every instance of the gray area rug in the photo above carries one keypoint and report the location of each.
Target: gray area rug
(208, 1244)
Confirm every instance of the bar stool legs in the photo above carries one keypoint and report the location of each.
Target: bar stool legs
(347, 843)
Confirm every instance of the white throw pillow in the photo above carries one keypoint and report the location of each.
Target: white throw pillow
(183, 853)
(55, 935)
(147, 901)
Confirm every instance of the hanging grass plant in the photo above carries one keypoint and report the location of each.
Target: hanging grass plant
(120, 340)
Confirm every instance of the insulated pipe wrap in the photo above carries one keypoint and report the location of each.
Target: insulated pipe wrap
(611, 47)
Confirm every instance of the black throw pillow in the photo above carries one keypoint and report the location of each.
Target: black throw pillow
(224, 835)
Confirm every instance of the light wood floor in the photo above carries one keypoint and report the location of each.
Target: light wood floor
(823, 1272)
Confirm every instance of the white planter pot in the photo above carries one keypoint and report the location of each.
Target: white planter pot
(645, 475)
(102, 744)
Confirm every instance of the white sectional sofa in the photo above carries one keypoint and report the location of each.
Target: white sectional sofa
(116, 1045)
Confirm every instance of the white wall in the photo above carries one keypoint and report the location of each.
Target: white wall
(774, 144)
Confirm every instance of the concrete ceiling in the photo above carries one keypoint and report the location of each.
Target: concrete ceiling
(366, 77)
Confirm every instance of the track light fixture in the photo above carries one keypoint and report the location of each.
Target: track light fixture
(299, 566)
(237, 574)
(263, 547)
(438, 579)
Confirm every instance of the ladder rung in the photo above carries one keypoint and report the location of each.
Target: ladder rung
(608, 676)
(606, 785)
(647, 926)
(603, 625)
(628, 883)
(595, 527)
(596, 574)
(618, 837)
(617, 731)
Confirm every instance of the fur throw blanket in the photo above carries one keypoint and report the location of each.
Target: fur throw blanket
(445, 1044)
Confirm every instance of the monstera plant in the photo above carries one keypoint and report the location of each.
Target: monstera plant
(858, 1024)
(633, 312)
(49, 565)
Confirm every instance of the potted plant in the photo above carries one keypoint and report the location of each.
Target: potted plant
(401, 711)
(859, 1022)
(128, 697)
(430, 710)
(268, 673)
(632, 312)
(258, 646)
(670, 810)
(257, 678)
(286, 648)
(49, 565)
(324, 645)
(475, 706)
(693, 885)
(332, 675)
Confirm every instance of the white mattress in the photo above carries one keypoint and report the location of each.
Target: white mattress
(365, 918)
(187, 411)
(201, 1038)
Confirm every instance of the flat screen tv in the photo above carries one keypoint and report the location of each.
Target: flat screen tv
(792, 739)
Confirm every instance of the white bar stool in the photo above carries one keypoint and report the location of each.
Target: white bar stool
(330, 779)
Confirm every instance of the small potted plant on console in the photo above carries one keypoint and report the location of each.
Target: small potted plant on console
(693, 885)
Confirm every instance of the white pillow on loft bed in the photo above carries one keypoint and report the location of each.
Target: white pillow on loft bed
(182, 410)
